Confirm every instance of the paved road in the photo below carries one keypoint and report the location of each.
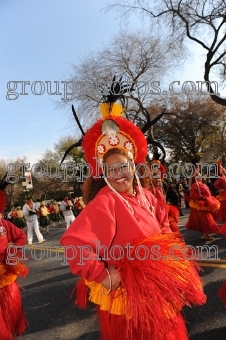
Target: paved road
(50, 312)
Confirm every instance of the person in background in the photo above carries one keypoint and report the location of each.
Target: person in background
(156, 189)
(12, 215)
(30, 211)
(19, 219)
(202, 209)
(169, 212)
(211, 187)
(12, 318)
(173, 196)
(67, 209)
(182, 194)
(44, 217)
(186, 191)
(79, 204)
(220, 186)
(55, 213)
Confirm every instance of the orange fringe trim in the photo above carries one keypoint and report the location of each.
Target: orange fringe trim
(203, 205)
(9, 273)
(222, 196)
(197, 206)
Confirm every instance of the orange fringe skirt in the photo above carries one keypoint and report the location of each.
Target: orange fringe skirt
(201, 216)
(12, 318)
(221, 213)
(153, 290)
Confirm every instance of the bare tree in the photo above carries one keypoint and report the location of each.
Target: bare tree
(203, 22)
(139, 58)
(11, 173)
(54, 179)
(197, 126)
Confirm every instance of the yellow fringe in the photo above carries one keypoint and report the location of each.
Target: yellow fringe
(118, 303)
(115, 305)
(111, 109)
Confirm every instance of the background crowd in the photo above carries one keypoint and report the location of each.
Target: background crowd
(51, 213)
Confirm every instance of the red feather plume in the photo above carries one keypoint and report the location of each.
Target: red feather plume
(136, 136)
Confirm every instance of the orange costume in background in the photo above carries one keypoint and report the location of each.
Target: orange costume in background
(167, 214)
(203, 206)
(12, 318)
(220, 185)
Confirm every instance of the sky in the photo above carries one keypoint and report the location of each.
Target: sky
(40, 39)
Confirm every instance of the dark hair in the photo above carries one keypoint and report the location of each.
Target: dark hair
(91, 187)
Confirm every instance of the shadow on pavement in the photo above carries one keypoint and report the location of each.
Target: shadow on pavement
(89, 336)
(48, 306)
(204, 322)
(219, 334)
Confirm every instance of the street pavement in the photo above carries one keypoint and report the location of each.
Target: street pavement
(50, 309)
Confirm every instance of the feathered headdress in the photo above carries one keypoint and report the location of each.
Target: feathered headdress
(113, 131)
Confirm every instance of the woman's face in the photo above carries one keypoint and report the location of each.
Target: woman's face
(156, 180)
(120, 172)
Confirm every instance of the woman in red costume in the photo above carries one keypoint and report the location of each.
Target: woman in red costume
(118, 248)
(220, 185)
(167, 214)
(203, 206)
(12, 318)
